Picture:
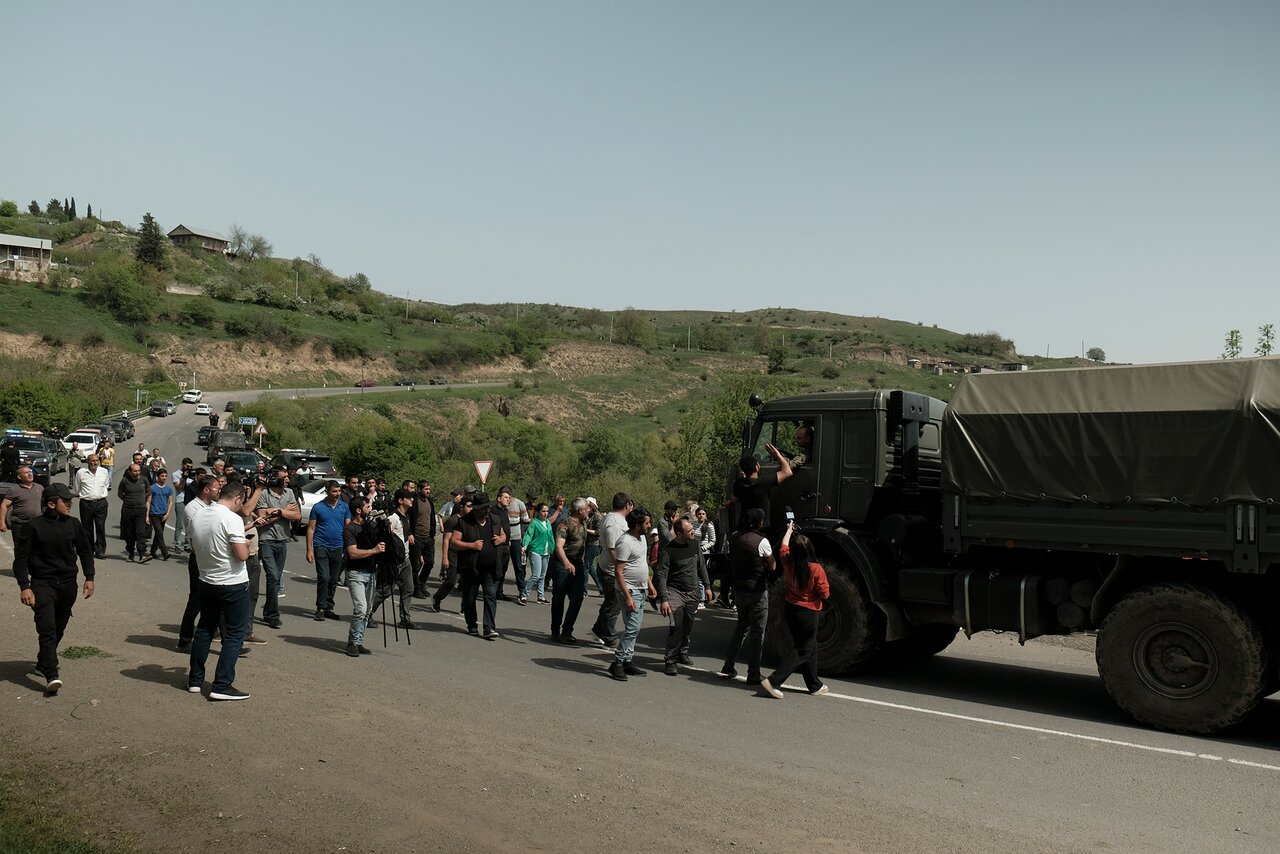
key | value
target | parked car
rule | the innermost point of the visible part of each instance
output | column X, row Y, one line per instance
column 312, row 494
column 124, row 428
column 109, row 431
column 88, row 440
column 192, row 395
column 161, row 408
column 365, row 384
column 204, row 409
column 231, row 406
column 203, row 434
column 37, row 452
column 321, row 464
column 406, row 381
column 241, row 461
column 439, row 381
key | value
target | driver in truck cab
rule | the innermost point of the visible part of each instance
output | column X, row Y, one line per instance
column 752, row 490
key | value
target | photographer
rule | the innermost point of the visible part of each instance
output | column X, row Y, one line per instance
column 394, row 569
column 362, row 546
column 279, row 512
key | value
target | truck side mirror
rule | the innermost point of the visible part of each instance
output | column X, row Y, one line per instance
column 755, row 401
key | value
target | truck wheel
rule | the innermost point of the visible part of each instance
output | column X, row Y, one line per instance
column 849, row 632
column 923, row 642
column 1182, row 658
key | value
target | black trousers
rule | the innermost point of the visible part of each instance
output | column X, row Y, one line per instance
column 606, row 625
column 133, row 530
column 188, row 628
column 423, row 556
column 684, row 609
column 93, row 518
column 448, row 578
column 574, row 587
column 803, row 658
column 157, row 538
column 753, row 616
column 53, row 610
column 472, row 582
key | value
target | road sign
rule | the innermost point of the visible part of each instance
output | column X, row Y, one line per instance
column 247, row 420
column 482, row 469
column 261, row 431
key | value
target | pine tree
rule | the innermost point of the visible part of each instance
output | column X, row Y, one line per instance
column 151, row 243
column 90, row 213
column 66, row 206
column 71, row 211
column 34, row 207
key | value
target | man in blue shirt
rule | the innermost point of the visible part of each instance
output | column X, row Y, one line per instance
column 324, row 546
column 158, row 510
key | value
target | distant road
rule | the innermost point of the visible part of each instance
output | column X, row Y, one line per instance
column 293, row 392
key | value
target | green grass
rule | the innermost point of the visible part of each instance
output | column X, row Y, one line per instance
column 28, row 824
column 84, row 652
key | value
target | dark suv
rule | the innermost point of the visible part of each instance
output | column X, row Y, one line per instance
column 321, row 464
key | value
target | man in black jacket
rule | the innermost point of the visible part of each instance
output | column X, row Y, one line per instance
column 750, row 562
column 45, row 565
column 133, row 492
column 680, row 569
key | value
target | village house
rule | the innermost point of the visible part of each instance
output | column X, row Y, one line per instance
column 201, row 237
column 26, row 259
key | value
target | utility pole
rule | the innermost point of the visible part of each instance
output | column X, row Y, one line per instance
column 295, row 285
column 688, row 340
column 406, row 305
column 611, row 329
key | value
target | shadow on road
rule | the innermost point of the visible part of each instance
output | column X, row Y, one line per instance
column 322, row 644
column 15, row 672
column 165, row 642
column 174, row 677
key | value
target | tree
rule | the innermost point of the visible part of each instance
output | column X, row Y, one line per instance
column 1096, row 354
column 54, row 208
column 1232, row 348
column 8, row 208
column 113, row 284
column 34, row 208
column 151, row 248
column 238, row 241
column 258, row 247
column 89, row 215
column 631, row 327
column 1266, row 339
column 778, row 359
column 71, row 211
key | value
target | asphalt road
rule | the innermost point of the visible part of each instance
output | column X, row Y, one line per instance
column 987, row 747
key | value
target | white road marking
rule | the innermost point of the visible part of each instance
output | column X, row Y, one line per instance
column 1189, row 754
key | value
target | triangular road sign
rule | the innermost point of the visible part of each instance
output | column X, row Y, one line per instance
column 262, row 429
column 482, row 469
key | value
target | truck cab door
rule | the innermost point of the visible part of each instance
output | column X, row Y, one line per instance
column 858, row 449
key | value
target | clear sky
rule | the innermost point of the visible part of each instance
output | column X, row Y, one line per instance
column 1095, row 171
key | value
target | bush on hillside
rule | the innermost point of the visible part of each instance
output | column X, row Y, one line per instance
column 34, row 404
column 113, row 285
column 985, row 344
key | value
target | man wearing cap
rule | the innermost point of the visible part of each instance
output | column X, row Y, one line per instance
column 45, row 565
column 92, row 484
column 477, row 540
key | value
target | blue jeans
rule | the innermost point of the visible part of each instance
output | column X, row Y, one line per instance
column 593, row 552
column 219, row 603
column 537, row 575
column 273, row 553
column 631, row 622
column 360, row 586
column 328, row 565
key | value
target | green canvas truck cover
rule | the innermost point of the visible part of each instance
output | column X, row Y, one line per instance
column 1194, row 433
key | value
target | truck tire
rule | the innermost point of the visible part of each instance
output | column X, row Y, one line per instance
column 850, row 631
column 1182, row 658
column 923, row 642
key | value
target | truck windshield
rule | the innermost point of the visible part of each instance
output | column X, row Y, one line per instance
column 792, row 436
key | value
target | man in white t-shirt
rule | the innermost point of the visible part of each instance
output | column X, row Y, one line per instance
column 220, row 549
column 631, row 572
column 612, row 528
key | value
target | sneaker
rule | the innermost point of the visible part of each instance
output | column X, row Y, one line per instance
column 769, row 690
column 616, row 671
column 435, row 605
column 194, row 689
column 491, row 636
column 332, row 615
column 146, row 558
column 671, row 669
column 254, row 639
column 184, row 646
column 702, row 606
column 542, row 600
column 244, row 650
column 729, row 672
column 51, row 689
column 319, row 617
column 822, row 689
column 280, row 595
column 631, row 670
column 228, row 694
column 353, row 650
column 274, row 624
column 364, row 650
column 522, row 601
column 407, row 624
column 567, row 639
column 128, row 556
column 473, row 631
column 604, row 642
column 684, row 658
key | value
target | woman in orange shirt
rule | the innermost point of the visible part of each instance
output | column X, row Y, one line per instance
column 807, row 589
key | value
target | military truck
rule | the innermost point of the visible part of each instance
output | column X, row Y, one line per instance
column 1138, row 502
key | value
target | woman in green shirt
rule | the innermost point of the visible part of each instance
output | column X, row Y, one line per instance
column 537, row 544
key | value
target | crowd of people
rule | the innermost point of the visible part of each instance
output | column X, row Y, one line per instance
column 235, row 527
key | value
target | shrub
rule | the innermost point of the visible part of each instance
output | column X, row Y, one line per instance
column 94, row 339
column 113, row 284
column 830, row 372
column 347, row 347
column 196, row 313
